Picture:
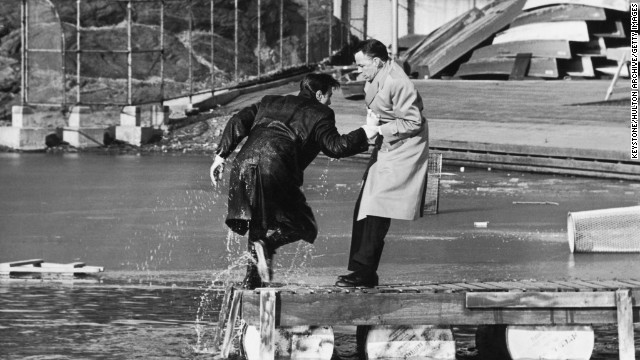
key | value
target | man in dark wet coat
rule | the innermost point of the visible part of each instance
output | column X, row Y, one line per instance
column 284, row 134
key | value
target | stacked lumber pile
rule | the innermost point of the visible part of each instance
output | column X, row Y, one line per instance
column 517, row 39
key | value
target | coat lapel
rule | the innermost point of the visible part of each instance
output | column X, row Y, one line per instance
column 371, row 89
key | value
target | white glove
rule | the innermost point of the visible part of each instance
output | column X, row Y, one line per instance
column 371, row 130
column 217, row 168
column 373, row 119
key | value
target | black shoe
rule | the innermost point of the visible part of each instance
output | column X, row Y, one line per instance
column 348, row 276
column 359, row 279
column 265, row 260
column 252, row 279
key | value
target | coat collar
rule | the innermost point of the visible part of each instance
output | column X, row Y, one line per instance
column 376, row 84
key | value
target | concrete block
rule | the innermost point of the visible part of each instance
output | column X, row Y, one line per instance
column 158, row 116
column 134, row 135
column 83, row 137
column 78, row 113
column 24, row 139
column 22, row 117
column 130, row 116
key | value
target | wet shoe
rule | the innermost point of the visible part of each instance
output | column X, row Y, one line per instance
column 358, row 279
column 265, row 259
column 252, row 279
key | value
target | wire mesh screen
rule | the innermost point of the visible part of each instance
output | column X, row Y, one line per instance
column 128, row 52
column 44, row 60
column 432, row 193
column 605, row 230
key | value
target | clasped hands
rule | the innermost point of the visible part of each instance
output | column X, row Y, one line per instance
column 372, row 126
column 216, row 170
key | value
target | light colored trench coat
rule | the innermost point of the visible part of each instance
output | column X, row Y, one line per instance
column 395, row 183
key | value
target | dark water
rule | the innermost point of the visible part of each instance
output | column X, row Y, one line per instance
column 156, row 224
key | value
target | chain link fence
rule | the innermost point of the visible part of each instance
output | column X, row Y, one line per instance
column 129, row 52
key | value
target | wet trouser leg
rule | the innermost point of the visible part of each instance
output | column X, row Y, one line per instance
column 367, row 240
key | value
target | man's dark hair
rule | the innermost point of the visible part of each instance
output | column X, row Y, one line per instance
column 319, row 81
column 373, row 48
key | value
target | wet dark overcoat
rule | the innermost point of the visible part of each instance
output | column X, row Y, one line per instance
column 284, row 134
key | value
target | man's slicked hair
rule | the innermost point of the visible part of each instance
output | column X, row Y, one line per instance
column 319, row 81
column 373, row 48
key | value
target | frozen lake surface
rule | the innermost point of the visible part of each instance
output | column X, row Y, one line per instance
column 157, row 226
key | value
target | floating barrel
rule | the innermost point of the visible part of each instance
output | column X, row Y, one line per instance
column 297, row 342
column 605, row 230
column 403, row 342
column 516, row 342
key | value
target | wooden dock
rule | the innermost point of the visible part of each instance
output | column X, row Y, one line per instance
column 575, row 302
column 38, row 269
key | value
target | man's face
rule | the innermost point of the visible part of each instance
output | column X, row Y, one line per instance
column 325, row 99
column 367, row 66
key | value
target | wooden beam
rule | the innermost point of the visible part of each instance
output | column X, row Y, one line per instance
column 34, row 262
column 267, row 324
column 414, row 309
column 485, row 300
column 231, row 320
column 626, row 348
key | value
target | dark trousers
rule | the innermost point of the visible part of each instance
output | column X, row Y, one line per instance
column 367, row 240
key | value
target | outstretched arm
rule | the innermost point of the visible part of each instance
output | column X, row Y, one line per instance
column 237, row 129
column 335, row 145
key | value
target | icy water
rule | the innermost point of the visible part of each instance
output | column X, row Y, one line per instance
column 156, row 224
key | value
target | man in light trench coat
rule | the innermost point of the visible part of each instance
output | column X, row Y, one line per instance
column 395, row 180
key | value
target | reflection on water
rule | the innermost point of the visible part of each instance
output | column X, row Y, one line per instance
column 157, row 226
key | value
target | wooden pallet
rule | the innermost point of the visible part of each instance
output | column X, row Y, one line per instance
column 39, row 269
column 552, row 303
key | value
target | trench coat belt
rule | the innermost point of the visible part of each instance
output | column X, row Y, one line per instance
column 386, row 147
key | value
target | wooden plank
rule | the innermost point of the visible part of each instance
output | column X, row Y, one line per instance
column 525, row 150
column 76, row 264
column 595, row 287
column 34, row 262
column 575, row 286
column 454, row 287
column 520, row 66
column 471, row 287
column 635, row 284
column 415, row 309
column 222, row 316
column 581, row 66
column 566, row 30
column 539, row 67
column 609, row 29
column 541, row 300
column 567, row 166
column 236, row 304
column 562, row 12
column 626, row 347
column 613, row 284
column 414, row 56
column 486, row 286
column 267, row 324
column 620, row 5
column 56, row 269
column 559, row 49
column 496, row 16
column 507, row 285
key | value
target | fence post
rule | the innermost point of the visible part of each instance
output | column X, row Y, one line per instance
column 235, row 54
column 259, row 48
column 23, row 53
column 307, row 37
column 212, row 45
column 129, row 55
column 78, row 51
column 281, row 31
